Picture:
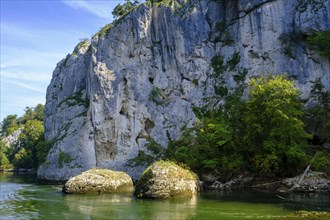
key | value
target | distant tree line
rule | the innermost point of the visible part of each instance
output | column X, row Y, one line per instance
column 30, row 150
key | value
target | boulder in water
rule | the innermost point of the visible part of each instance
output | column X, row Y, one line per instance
column 166, row 179
column 96, row 181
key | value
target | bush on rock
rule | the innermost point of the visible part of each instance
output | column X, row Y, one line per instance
column 99, row 181
column 166, row 179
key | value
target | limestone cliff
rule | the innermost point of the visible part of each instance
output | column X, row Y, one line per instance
column 141, row 76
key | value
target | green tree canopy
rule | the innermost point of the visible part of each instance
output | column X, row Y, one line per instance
column 122, row 9
column 30, row 149
column 12, row 123
column 275, row 135
column 263, row 135
column 9, row 124
column 33, row 113
column 32, row 132
column 3, row 157
column 23, row 159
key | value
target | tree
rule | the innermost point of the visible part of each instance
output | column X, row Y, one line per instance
column 118, row 11
column 23, row 159
column 9, row 124
column 31, row 148
column 33, row 131
column 275, row 136
column 42, row 148
column 33, row 113
column 209, row 145
column 122, row 9
column 4, row 162
column 317, row 116
column 39, row 112
column 32, row 134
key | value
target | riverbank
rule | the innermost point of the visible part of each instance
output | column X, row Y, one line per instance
column 308, row 182
column 312, row 182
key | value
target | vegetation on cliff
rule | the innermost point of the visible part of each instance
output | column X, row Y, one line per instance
column 264, row 134
column 314, row 40
column 122, row 9
column 320, row 41
column 269, row 134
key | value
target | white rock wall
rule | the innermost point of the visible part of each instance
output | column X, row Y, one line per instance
column 157, row 51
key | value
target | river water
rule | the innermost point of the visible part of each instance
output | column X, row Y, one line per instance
column 22, row 198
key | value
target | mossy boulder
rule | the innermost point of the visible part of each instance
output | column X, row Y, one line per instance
column 96, row 181
column 166, row 179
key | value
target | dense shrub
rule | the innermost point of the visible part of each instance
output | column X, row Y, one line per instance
column 317, row 116
column 23, row 159
column 263, row 135
column 4, row 162
column 321, row 162
column 275, row 133
column 122, row 9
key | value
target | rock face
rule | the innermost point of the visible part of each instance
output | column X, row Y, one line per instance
column 165, row 179
column 99, row 181
column 140, row 78
column 237, row 183
column 313, row 181
column 12, row 140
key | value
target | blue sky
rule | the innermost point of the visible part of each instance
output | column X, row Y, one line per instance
column 35, row 36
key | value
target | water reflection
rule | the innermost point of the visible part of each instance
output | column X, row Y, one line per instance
column 109, row 205
column 21, row 200
column 167, row 209
column 308, row 201
column 289, row 201
column 125, row 206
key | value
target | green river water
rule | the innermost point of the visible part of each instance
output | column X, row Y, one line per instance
column 22, row 198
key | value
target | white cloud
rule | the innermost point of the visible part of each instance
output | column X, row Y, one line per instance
column 16, row 57
column 41, row 38
column 26, row 76
column 28, row 86
column 99, row 8
column 26, row 69
column 18, row 103
column 22, row 47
